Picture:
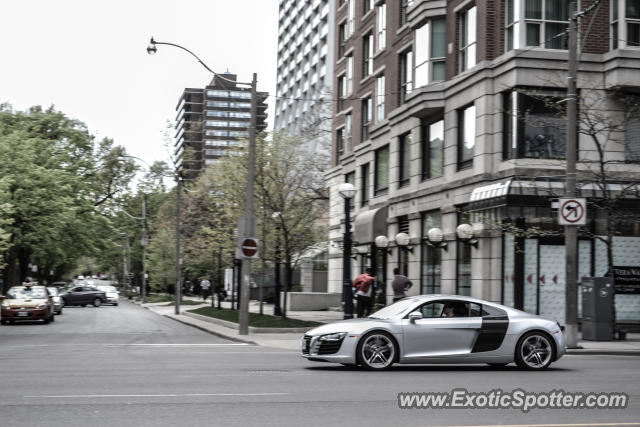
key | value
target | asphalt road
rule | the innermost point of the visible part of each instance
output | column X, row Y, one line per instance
column 126, row 366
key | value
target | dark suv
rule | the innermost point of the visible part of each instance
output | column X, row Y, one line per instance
column 83, row 295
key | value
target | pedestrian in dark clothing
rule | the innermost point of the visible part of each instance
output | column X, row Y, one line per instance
column 364, row 288
column 400, row 285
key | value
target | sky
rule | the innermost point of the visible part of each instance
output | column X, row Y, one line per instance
column 89, row 59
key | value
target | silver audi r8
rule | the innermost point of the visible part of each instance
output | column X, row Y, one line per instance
column 438, row 329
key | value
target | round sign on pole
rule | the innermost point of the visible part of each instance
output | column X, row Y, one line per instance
column 249, row 247
column 572, row 211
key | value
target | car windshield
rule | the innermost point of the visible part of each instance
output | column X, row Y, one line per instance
column 394, row 309
column 26, row 293
column 53, row 291
column 108, row 288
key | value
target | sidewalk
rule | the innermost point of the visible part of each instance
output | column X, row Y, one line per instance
column 291, row 340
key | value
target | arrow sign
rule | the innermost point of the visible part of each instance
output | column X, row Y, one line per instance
column 572, row 211
column 249, row 247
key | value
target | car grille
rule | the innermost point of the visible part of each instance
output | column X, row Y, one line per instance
column 329, row 347
column 307, row 339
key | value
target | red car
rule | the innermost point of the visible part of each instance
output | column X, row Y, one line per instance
column 27, row 303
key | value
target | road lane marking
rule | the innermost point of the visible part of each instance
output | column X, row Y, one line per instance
column 602, row 424
column 181, row 345
column 74, row 396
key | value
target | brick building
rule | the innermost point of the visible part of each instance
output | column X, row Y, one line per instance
column 442, row 119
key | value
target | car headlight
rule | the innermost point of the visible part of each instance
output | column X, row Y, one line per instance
column 338, row 336
column 42, row 305
column 5, row 304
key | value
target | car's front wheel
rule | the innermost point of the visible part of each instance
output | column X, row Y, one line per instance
column 97, row 302
column 4, row 322
column 377, row 350
column 534, row 351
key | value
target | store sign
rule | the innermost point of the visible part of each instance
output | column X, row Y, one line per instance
column 626, row 280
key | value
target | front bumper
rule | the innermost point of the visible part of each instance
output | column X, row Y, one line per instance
column 336, row 352
column 113, row 300
column 25, row 313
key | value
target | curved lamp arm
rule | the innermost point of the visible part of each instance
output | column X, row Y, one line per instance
column 151, row 49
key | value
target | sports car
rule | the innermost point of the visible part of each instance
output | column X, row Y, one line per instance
column 447, row 329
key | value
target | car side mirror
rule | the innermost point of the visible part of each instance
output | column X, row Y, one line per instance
column 416, row 315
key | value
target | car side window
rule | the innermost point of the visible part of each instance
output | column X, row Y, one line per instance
column 432, row 309
column 475, row 310
column 78, row 289
column 88, row 289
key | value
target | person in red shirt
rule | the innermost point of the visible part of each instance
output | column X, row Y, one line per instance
column 364, row 288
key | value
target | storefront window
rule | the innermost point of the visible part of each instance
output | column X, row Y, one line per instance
column 431, row 258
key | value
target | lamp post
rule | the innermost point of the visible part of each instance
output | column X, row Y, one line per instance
column 249, row 223
column 347, row 192
column 277, row 311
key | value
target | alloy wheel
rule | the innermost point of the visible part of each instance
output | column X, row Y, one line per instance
column 535, row 352
column 377, row 351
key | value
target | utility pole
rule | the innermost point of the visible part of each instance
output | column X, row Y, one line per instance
column 128, row 262
column 178, row 260
column 249, row 228
column 571, row 231
column 144, row 243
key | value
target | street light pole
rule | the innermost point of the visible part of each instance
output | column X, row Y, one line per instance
column 144, row 243
column 178, row 260
column 347, row 191
column 277, row 311
column 249, row 228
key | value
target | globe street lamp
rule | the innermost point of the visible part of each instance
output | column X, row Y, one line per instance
column 347, row 191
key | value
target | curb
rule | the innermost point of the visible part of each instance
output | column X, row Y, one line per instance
column 604, row 352
column 216, row 333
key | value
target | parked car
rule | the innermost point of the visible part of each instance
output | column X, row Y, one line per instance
column 113, row 295
column 439, row 329
column 57, row 301
column 28, row 302
column 83, row 295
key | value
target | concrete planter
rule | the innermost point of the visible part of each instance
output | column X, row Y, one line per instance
column 252, row 329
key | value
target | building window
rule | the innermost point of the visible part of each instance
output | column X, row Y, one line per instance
column 406, row 75
column 625, row 23
column 342, row 37
column 404, row 159
column 381, row 176
column 430, row 266
column 430, row 46
column 381, row 24
column 367, row 113
column 632, row 140
column 380, row 98
column 511, row 25
column 348, row 128
column 351, row 179
column 367, row 6
column 534, row 125
column 349, row 82
column 466, row 136
column 463, row 258
column 340, row 140
column 404, row 7
column 547, row 23
column 364, row 189
column 468, row 38
column 432, row 149
column 367, row 55
column 351, row 18
column 342, row 91
column 403, row 253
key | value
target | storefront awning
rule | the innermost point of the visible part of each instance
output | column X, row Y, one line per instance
column 503, row 192
column 370, row 224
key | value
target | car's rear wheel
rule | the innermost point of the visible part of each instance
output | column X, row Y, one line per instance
column 377, row 350
column 535, row 351
column 97, row 302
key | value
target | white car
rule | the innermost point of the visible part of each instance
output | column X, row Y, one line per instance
column 113, row 295
column 439, row 329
